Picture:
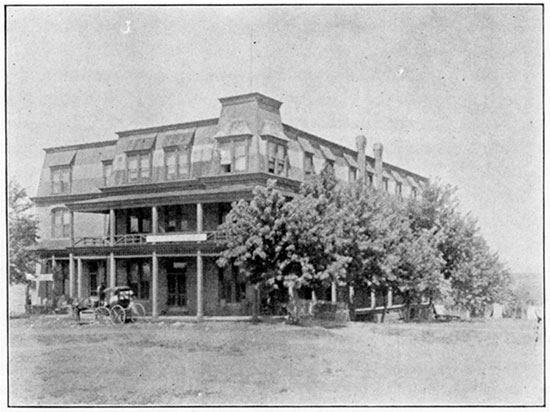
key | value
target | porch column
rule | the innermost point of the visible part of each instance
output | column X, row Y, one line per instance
column 79, row 278
column 199, row 218
column 71, row 275
column 333, row 292
column 155, row 220
column 372, row 299
column 71, row 214
column 155, row 291
column 112, row 270
column 390, row 297
column 112, row 224
column 199, row 285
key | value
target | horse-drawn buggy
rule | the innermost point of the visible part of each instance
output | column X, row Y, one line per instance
column 116, row 304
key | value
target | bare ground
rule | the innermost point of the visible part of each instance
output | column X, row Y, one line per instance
column 54, row 361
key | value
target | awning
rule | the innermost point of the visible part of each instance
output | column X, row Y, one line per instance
column 237, row 127
column 107, row 153
column 306, row 145
column 386, row 174
column 270, row 128
column 179, row 138
column 369, row 168
column 138, row 143
column 328, row 153
column 61, row 158
column 412, row 182
column 351, row 160
column 396, row 176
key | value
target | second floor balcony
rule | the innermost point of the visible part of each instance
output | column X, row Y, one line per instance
column 159, row 224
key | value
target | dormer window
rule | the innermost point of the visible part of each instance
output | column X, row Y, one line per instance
column 107, row 170
column 399, row 189
column 309, row 169
column 176, row 163
column 233, row 155
column 138, row 166
column 61, row 180
column 352, row 174
column 276, row 158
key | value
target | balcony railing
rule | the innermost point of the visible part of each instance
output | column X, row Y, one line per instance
column 91, row 241
column 138, row 239
column 132, row 239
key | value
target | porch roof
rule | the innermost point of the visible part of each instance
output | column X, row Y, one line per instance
column 132, row 200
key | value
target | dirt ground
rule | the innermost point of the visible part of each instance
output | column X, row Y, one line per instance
column 54, row 361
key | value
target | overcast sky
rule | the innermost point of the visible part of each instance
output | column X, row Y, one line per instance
column 451, row 92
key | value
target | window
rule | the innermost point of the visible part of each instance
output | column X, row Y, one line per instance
column 139, row 166
column 107, row 169
column 386, row 184
column 276, row 158
column 61, row 180
column 371, row 179
column 413, row 192
column 309, row 169
column 233, row 156
column 176, row 164
column 240, row 156
column 61, row 223
column 399, row 189
column 352, row 174
column 138, row 221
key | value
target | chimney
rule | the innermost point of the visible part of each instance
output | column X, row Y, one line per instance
column 361, row 143
column 378, row 165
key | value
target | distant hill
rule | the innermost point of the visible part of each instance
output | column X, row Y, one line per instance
column 530, row 285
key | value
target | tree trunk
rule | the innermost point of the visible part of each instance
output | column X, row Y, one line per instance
column 255, row 304
column 385, row 307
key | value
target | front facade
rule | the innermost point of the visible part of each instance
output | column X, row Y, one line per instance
column 143, row 210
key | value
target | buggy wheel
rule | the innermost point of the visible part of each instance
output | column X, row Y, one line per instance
column 118, row 314
column 137, row 311
column 102, row 314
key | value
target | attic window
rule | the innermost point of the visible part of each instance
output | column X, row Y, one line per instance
column 233, row 155
column 138, row 166
column 276, row 158
column 61, row 180
column 309, row 169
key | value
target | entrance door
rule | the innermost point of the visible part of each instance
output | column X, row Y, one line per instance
column 177, row 288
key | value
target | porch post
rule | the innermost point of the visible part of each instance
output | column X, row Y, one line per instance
column 333, row 292
column 390, row 297
column 71, row 275
column 79, row 278
column 112, row 224
column 199, row 286
column 199, row 218
column 112, row 270
column 372, row 299
column 71, row 214
column 54, row 264
column 155, row 219
column 155, row 300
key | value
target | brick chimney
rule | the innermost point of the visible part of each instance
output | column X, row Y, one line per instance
column 361, row 143
column 378, row 165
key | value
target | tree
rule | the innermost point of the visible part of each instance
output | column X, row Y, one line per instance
column 475, row 274
column 22, row 233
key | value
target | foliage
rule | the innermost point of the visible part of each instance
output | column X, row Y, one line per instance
column 22, row 233
column 361, row 237
column 475, row 275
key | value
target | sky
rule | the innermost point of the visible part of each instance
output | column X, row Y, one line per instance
column 452, row 92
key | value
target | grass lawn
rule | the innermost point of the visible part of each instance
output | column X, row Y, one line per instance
column 54, row 361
